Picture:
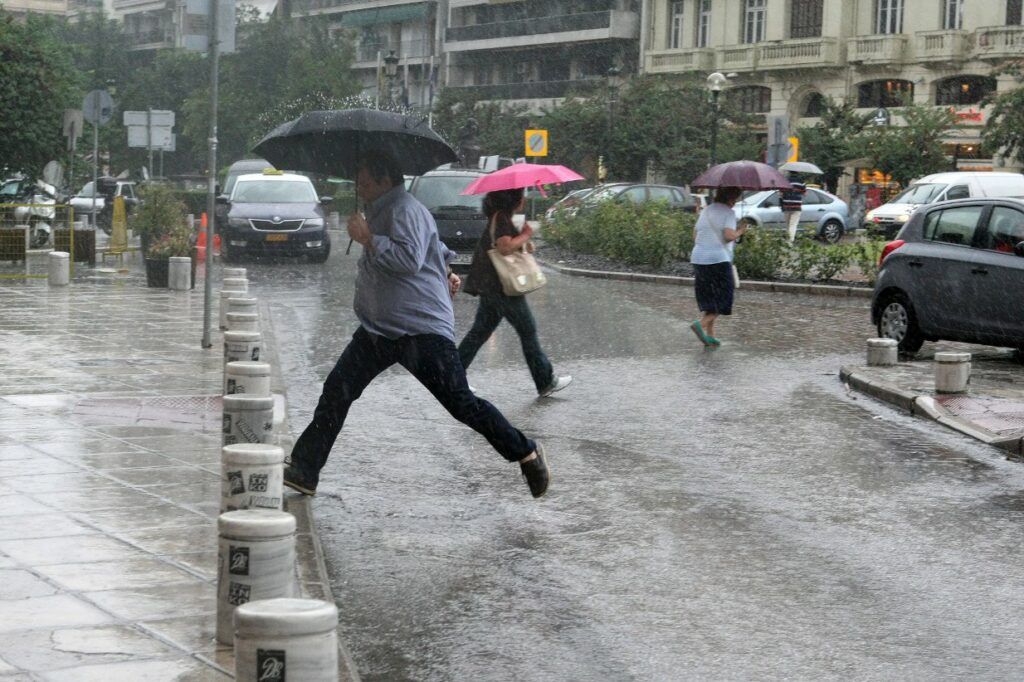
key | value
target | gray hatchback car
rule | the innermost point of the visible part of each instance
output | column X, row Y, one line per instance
column 954, row 272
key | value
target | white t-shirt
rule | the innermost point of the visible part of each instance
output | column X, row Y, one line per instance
column 709, row 244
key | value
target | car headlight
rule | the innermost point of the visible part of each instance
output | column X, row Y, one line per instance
column 903, row 218
column 870, row 215
column 314, row 222
column 238, row 222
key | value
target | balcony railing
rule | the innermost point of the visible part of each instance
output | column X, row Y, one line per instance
column 738, row 57
column 154, row 37
column 565, row 23
column 535, row 90
column 877, row 49
column 798, row 54
column 676, row 61
column 999, row 42
column 941, row 46
column 407, row 49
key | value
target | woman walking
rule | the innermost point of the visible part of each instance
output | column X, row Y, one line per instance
column 494, row 304
column 714, row 285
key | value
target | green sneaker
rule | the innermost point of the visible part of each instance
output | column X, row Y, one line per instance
column 699, row 331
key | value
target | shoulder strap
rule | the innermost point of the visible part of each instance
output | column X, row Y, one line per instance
column 491, row 226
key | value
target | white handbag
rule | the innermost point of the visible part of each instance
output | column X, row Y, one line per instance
column 518, row 271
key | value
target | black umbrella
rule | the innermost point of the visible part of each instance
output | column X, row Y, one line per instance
column 331, row 142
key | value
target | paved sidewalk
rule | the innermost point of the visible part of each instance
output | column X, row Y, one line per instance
column 110, row 483
column 992, row 409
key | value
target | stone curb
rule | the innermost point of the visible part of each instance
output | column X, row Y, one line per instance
column 926, row 406
column 309, row 554
column 837, row 291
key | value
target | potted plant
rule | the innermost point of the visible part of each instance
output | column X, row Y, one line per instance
column 177, row 242
column 163, row 231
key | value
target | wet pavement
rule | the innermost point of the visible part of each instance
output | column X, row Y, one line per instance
column 110, row 435
column 730, row 514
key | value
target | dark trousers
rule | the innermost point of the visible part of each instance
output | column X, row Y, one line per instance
column 433, row 360
column 492, row 310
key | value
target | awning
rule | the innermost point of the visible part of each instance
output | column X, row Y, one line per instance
column 385, row 15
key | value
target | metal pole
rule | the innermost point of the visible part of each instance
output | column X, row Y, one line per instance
column 211, row 186
column 149, row 138
column 714, row 126
column 71, row 161
column 95, row 163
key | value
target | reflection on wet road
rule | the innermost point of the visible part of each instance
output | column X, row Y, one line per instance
column 734, row 514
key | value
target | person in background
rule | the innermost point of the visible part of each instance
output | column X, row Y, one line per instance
column 792, row 203
column 403, row 300
column 714, row 285
column 494, row 304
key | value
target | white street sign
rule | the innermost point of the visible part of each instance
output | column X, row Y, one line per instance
column 73, row 123
column 195, row 26
column 157, row 117
column 137, row 137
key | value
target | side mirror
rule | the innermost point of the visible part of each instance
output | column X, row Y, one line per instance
column 222, row 199
column 326, row 200
column 1018, row 249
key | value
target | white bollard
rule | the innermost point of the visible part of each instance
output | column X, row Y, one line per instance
column 242, row 346
column 179, row 273
column 952, row 372
column 234, row 284
column 242, row 303
column 299, row 636
column 252, row 476
column 234, row 273
column 225, row 295
column 882, row 352
column 247, row 419
column 245, row 376
column 334, row 220
column 59, row 269
column 255, row 559
column 243, row 322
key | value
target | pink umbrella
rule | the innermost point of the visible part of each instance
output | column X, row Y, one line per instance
column 522, row 175
column 742, row 174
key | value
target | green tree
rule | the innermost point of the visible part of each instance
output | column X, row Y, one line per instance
column 38, row 83
column 500, row 126
column 909, row 151
column 830, row 141
column 1004, row 130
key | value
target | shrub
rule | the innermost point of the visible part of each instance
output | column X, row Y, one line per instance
column 762, row 254
column 803, row 257
column 161, row 212
column 177, row 242
column 865, row 255
column 646, row 234
column 832, row 260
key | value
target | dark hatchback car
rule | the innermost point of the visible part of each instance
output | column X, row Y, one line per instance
column 678, row 198
column 275, row 214
column 460, row 218
column 954, row 272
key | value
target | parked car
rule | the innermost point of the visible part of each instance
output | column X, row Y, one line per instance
column 82, row 202
column 888, row 218
column 639, row 193
column 460, row 218
column 235, row 170
column 570, row 200
column 274, row 213
column 954, row 272
column 34, row 206
column 824, row 213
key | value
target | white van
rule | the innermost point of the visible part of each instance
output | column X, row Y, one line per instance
column 888, row 218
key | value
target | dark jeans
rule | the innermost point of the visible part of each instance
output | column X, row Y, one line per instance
column 433, row 360
column 495, row 307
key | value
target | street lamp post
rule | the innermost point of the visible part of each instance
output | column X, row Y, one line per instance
column 390, row 73
column 613, row 81
column 715, row 82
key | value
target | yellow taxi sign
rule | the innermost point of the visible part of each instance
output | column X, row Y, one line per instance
column 536, row 142
column 272, row 171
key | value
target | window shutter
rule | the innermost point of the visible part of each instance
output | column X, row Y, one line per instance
column 1013, row 12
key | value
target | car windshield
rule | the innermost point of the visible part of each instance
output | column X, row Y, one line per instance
column 274, row 192
column 603, row 194
column 10, row 189
column 86, row 190
column 445, row 191
column 918, row 194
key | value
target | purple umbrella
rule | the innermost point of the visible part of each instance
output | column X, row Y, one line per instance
column 742, row 174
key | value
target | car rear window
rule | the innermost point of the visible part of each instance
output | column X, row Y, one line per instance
column 953, row 225
column 918, row 194
column 445, row 191
column 274, row 192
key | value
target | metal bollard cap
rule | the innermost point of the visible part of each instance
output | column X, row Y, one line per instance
column 256, row 524
column 247, row 368
column 252, row 453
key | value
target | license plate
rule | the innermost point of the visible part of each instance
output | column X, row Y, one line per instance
column 277, row 237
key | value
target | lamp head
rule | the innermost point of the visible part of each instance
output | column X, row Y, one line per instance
column 716, row 81
column 391, row 64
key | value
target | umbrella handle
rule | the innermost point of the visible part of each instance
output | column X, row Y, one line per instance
column 349, row 247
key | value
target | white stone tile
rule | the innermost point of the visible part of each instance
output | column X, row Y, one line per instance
column 59, row 610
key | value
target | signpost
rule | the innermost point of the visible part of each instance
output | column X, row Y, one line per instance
column 73, row 124
column 536, row 143
column 150, row 129
column 881, row 117
column 97, row 109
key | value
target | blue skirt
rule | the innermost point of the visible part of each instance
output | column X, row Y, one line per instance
column 714, row 287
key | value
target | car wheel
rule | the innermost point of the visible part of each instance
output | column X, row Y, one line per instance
column 897, row 322
column 831, row 232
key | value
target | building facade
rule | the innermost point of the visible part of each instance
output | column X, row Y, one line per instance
column 783, row 56
column 535, row 52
